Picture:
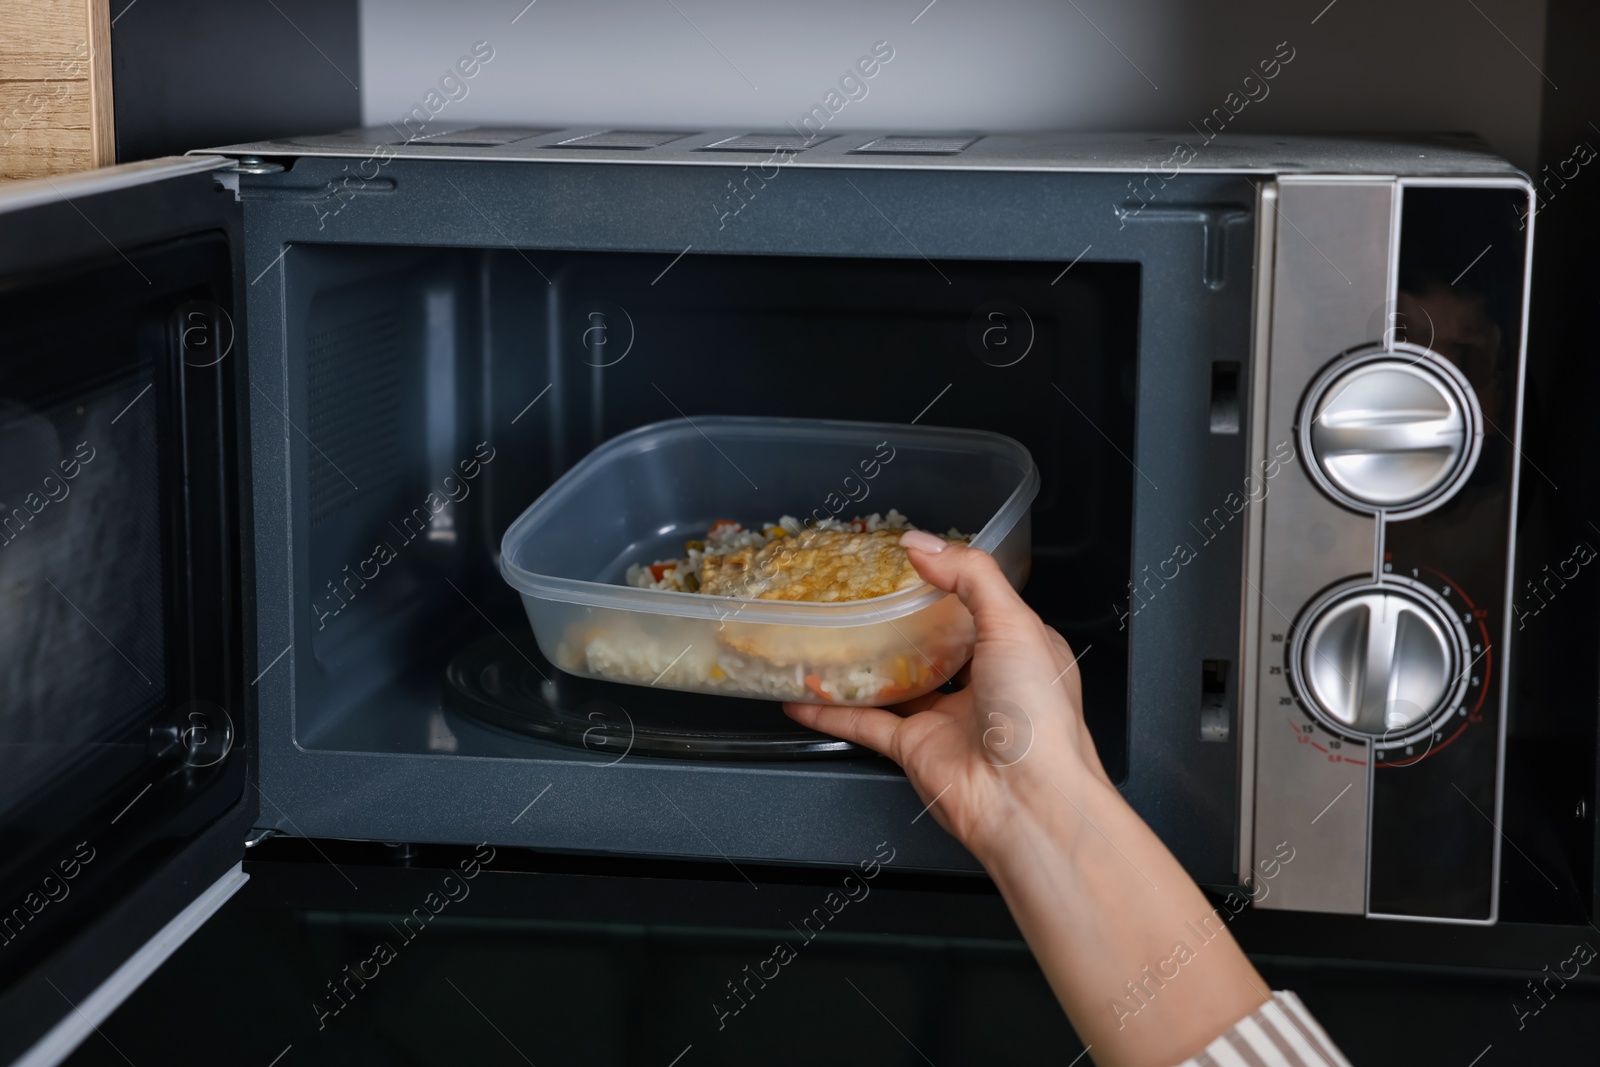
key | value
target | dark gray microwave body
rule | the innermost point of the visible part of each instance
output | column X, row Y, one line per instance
column 338, row 763
column 353, row 746
column 1256, row 554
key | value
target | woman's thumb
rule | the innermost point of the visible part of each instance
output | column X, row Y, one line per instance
column 970, row 573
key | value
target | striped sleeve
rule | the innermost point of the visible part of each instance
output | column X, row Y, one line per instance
column 1281, row 1033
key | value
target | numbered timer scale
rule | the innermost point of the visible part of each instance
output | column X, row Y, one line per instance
column 1410, row 712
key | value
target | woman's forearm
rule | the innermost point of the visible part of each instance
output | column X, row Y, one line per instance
column 1142, row 962
column 1144, row 966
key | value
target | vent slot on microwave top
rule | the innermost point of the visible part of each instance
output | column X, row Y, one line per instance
column 631, row 139
column 476, row 137
column 353, row 392
column 765, row 142
column 917, row 146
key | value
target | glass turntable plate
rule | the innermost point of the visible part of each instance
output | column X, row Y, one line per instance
column 509, row 684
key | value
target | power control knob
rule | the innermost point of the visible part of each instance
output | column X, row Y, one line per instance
column 1379, row 661
column 1391, row 429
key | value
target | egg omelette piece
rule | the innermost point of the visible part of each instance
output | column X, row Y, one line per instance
column 818, row 566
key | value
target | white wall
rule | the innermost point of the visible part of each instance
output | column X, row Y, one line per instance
column 1395, row 65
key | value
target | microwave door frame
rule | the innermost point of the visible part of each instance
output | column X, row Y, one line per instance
column 176, row 857
column 1251, row 607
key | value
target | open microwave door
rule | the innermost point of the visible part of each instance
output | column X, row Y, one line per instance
column 126, row 724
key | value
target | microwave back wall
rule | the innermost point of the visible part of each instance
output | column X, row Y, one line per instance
column 1272, row 395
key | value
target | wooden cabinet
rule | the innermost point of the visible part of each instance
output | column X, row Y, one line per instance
column 55, row 87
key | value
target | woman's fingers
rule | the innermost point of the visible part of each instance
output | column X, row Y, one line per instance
column 973, row 576
column 873, row 727
column 1071, row 680
column 1064, row 653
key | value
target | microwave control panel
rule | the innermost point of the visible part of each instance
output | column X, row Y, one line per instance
column 1389, row 359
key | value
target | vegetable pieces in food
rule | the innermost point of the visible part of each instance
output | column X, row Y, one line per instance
column 828, row 562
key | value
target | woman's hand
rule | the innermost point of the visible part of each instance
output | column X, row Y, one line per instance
column 1018, row 722
column 1008, row 768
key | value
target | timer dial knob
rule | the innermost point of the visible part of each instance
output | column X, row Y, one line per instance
column 1391, row 429
column 1379, row 661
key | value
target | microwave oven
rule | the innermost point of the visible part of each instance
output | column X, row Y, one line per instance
column 267, row 411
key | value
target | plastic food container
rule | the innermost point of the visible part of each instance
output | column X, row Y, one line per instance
column 639, row 496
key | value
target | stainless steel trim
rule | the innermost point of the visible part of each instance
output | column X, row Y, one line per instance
column 1390, row 310
column 16, row 196
column 1331, row 274
column 1372, row 790
column 1380, row 543
column 1255, row 456
column 1392, row 297
column 1391, row 302
column 87, row 1015
column 1322, row 158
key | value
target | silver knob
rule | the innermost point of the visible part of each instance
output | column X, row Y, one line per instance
column 1378, row 661
column 1391, row 429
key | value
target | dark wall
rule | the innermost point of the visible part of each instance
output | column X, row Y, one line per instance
column 1397, row 66
column 196, row 73
column 1558, row 670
